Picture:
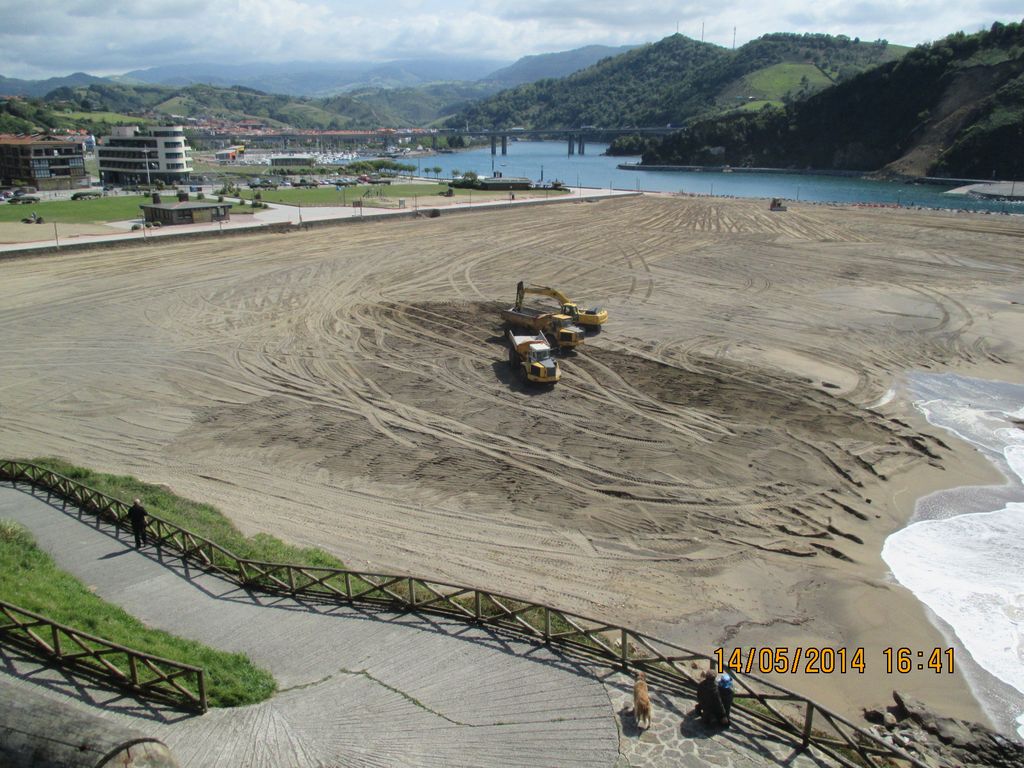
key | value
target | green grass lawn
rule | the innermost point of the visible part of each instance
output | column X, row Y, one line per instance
column 107, row 117
column 99, row 210
column 211, row 167
column 31, row 580
column 330, row 196
column 96, row 211
column 772, row 83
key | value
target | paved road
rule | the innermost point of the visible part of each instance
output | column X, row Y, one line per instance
column 361, row 686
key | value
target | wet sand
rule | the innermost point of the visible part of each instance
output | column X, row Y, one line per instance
column 719, row 466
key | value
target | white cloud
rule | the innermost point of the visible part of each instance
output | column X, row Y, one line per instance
column 54, row 37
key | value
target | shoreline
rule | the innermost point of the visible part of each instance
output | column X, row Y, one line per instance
column 870, row 175
column 969, row 528
column 872, row 603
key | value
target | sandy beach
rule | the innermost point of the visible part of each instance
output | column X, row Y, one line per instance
column 719, row 466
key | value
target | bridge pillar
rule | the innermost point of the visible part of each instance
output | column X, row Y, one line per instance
column 504, row 145
column 583, row 147
column 494, row 145
column 572, row 144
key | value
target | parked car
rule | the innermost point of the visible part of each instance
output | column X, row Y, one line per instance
column 23, row 199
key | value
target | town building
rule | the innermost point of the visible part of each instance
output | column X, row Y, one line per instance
column 184, row 211
column 130, row 155
column 508, row 183
column 42, row 161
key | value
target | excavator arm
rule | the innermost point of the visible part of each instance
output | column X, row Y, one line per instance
column 554, row 293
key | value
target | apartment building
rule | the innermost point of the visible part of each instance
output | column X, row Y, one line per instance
column 42, row 161
column 130, row 155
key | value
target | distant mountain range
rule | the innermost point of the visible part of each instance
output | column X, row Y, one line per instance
column 811, row 100
column 10, row 86
column 315, row 79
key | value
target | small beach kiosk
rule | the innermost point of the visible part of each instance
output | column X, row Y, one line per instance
column 184, row 211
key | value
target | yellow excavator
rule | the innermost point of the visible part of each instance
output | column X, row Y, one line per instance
column 561, row 329
column 589, row 318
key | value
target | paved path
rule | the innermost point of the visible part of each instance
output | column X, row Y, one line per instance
column 361, row 686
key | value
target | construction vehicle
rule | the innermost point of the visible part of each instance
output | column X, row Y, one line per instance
column 589, row 318
column 531, row 355
column 559, row 327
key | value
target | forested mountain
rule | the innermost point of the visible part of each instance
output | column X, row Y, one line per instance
column 235, row 103
column 954, row 107
column 553, row 65
column 677, row 78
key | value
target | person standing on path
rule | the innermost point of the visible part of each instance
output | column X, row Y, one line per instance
column 137, row 514
column 725, row 693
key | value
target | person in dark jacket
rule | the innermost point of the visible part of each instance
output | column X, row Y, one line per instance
column 709, row 703
column 725, row 694
column 137, row 514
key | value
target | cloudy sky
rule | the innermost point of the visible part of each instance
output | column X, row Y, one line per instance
column 43, row 38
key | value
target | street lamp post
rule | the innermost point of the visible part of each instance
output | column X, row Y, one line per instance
column 149, row 183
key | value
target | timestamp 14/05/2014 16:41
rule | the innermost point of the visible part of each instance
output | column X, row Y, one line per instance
column 825, row 660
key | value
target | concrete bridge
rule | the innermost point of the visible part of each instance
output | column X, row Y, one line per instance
column 576, row 138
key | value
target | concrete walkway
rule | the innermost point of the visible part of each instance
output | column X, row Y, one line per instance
column 359, row 686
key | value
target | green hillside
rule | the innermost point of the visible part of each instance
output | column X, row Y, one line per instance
column 677, row 79
column 954, row 107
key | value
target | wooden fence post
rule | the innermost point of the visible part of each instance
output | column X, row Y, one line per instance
column 202, row 690
column 808, row 721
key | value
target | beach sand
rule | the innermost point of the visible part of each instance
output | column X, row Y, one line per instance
column 19, row 232
column 718, row 467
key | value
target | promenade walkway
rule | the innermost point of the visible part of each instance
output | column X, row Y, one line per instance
column 278, row 214
column 359, row 686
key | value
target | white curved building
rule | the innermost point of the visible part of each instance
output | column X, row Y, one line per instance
column 130, row 155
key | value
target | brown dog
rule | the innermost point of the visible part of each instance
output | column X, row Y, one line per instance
column 641, row 702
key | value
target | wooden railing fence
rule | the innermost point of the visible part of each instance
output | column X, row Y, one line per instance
column 142, row 673
column 667, row 665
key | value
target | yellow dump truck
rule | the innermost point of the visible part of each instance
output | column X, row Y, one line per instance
column 560, row 328
column 590, row 318
column 530, row 354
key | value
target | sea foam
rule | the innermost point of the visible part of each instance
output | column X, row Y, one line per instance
column 969, row 568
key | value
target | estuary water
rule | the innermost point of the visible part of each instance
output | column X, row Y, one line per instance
column 963, row 552
column 549, row 161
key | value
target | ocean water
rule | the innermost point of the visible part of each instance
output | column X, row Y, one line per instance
column 549, row 161
column 963, row 552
